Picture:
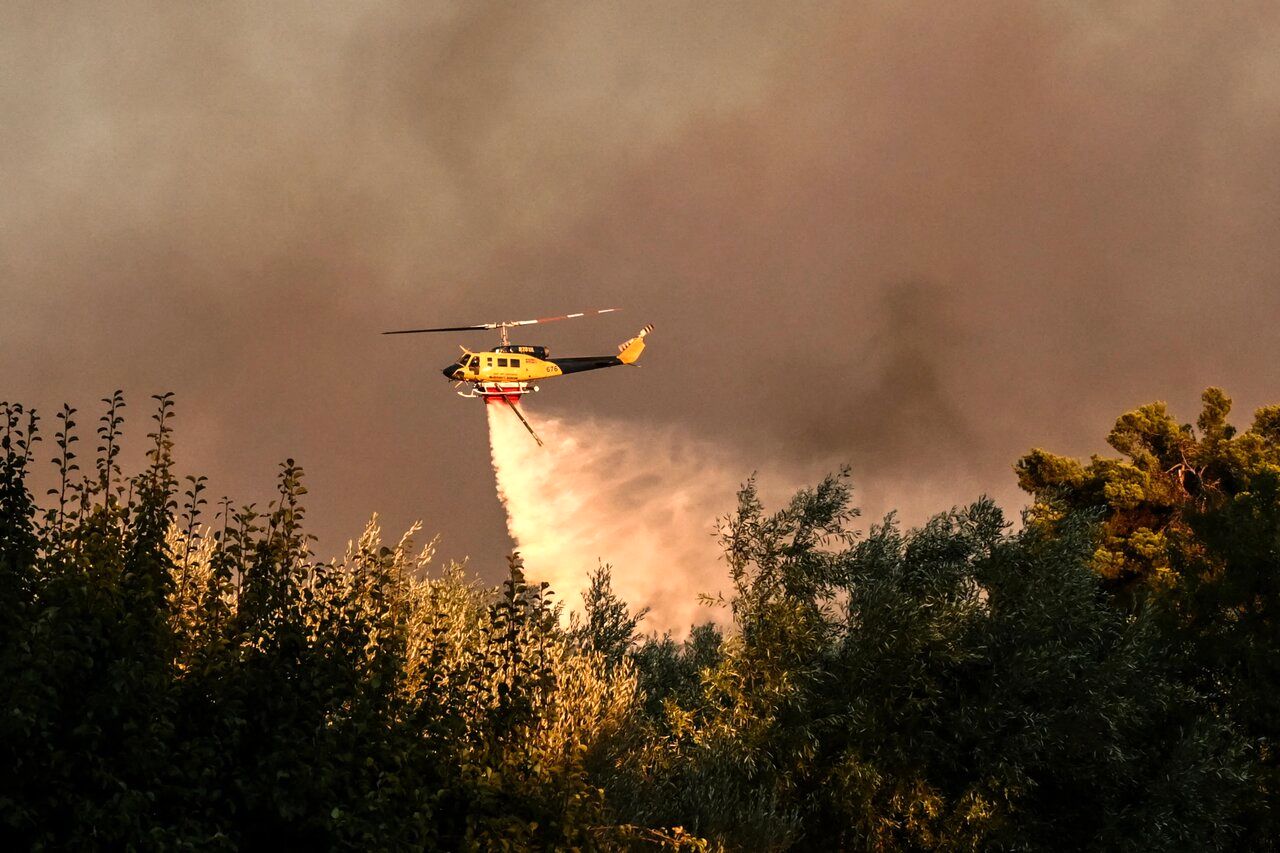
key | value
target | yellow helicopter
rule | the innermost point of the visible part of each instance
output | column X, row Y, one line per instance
column 508, row 371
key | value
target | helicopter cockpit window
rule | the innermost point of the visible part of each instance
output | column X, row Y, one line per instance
column 475, row 362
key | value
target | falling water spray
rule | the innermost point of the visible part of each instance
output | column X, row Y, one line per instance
column 645, row 502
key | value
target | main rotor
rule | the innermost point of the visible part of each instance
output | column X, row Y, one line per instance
column 504, row 325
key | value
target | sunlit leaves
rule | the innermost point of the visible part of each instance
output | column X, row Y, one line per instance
column 178, row 672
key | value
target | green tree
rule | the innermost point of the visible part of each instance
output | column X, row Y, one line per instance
column 951, row 687
column 175, row 680
column 87, row 711
column 672, row 672
column 607, row 624
column 1226, row 615
column 168, row 683
column 1169, row 473
column 1190, row 521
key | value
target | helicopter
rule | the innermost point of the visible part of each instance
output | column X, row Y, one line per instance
column 506, row 372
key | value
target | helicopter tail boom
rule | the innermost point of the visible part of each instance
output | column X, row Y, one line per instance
column 628, row 353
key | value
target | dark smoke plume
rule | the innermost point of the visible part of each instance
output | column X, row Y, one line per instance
column 917, row 237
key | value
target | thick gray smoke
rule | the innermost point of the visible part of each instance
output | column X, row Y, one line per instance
column 918, row 237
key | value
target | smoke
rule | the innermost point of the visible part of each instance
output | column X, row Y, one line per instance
column 645, row 502
column 231, row 200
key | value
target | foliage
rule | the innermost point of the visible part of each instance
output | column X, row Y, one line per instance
column 1191, row 523
column 176, row 672
column 671, row 672
column 170, row 683
column 607, row 625
column 952, row 687
column 1147, row 500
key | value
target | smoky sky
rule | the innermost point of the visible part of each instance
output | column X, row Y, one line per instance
column 916, row 237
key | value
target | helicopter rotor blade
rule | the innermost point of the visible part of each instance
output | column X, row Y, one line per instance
column 506, row 323
column 560, row 317
column 443, row 329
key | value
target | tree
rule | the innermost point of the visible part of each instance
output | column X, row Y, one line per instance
column 951, row 687
column 1146, row 500
column 168, row 682
column 171, row 684
column 607, row 624
column 1190, row 525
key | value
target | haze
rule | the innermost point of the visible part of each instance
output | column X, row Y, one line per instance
column 919, row 238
